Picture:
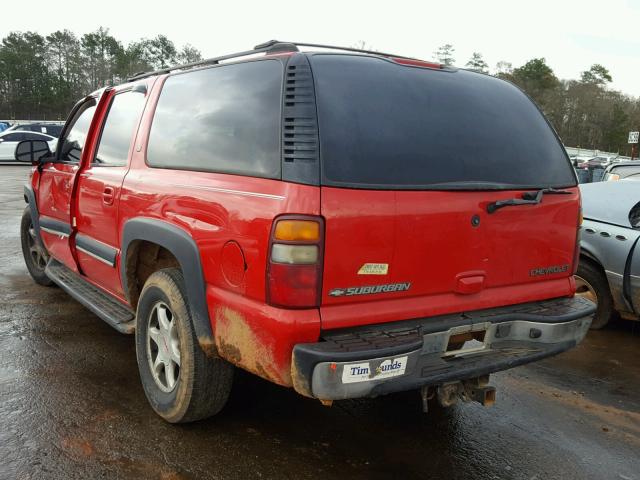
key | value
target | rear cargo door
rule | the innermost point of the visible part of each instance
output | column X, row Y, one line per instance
column 445, row 248
column 412, row 159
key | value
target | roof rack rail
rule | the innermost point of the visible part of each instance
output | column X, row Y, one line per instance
column 272, row 46
column 332, row 47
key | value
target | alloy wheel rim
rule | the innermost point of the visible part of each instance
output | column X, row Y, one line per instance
column 39, row 257
column 163, row 347
column 585, row 290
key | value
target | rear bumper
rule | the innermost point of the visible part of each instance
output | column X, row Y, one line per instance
column 380, row 359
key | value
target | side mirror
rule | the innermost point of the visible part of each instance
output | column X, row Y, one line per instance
column 32, row 151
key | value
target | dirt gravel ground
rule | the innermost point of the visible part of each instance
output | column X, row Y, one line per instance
column 71, row 407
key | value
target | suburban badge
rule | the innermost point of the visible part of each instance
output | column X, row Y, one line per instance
column 370, row 289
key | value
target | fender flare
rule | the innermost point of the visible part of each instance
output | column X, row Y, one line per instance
column 184, row 248
column 585, row 252
column 30, row 198
column 626, row 278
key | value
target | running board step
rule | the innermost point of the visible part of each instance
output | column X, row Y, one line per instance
column 102, row 304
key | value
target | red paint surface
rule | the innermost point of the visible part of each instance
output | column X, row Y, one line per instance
column 53, row 196
column 428, row 240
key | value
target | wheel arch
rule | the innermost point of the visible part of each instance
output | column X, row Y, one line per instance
column 585, row 253
column 184, row 248
column 30, row 199
column 616, row 289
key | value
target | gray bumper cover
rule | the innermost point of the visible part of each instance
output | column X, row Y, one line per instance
column 401, row 356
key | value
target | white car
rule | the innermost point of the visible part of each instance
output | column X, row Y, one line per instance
column 9, row 140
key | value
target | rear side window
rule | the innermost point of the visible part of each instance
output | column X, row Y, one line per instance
column 14, row 137
column 223, row 119
column 35, row 136
column 119, row 129
column 54, row 130
column 383, row 125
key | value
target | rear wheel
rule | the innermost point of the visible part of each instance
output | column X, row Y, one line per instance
column 592, row 284
column 180, row 381
column 35, row 255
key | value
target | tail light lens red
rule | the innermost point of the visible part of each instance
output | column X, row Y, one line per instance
column 294, row 269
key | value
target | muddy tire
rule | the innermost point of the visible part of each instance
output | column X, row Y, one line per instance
column 35, row 256
column 590, row 282
column 180, row 381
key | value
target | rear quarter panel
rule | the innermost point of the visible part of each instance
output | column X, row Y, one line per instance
column 215, row 209
column 610, row 245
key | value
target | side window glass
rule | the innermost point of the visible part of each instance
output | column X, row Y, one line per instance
column 74, row 140
column 224, row 119
column 35, row 136
column 119, row 129
column 54, row 130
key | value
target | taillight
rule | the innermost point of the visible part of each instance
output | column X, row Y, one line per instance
column 294, row 270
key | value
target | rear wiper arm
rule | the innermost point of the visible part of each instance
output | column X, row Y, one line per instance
column 528, row 198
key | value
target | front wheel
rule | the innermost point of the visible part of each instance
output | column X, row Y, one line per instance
column 180, row 381
column 35, row 255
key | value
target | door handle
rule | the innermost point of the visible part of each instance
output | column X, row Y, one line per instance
column 108, row 195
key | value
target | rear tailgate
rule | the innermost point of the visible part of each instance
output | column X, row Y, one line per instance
column 392, row 255
column 410, row 159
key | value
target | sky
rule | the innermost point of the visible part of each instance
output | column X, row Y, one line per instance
column 571, row 35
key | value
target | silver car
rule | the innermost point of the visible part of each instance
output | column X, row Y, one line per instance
column 609, row 270
column 9, row 139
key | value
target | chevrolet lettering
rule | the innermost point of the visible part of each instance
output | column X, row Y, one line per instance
column 549, row 270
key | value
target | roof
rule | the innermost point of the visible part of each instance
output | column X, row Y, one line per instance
column 630, row 163
column 610, row 202
column 277, row 47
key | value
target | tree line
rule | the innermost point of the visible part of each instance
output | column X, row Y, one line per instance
column 41, row 77
column 585, row 112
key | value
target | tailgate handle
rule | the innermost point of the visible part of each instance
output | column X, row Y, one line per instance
column 468, row 283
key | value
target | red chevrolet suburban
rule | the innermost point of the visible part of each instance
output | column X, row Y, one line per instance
column 343, row 222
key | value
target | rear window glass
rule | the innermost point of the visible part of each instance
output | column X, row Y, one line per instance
column 223, row 119
column 391, row 126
